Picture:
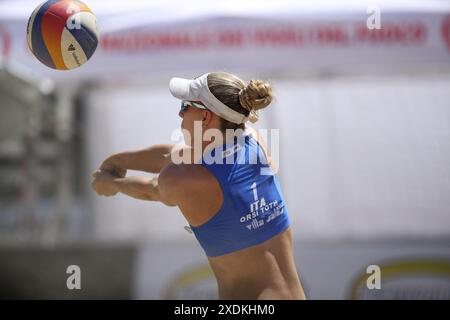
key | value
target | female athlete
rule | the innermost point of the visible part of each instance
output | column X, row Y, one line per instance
column 224, row 183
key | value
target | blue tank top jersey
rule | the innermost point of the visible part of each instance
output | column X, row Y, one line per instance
column 253, row 208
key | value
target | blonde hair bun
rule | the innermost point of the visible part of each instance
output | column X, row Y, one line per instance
column 256, row 95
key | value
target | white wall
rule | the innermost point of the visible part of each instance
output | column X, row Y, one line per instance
column 125, row 119
column 360, row 157
column 326, row 270
column 371, row 156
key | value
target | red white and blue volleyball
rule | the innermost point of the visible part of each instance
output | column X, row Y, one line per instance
column 62, row 34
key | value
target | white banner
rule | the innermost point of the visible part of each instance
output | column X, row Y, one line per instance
column 299, row 42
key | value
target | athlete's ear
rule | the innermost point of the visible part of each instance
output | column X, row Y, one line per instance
column 206, row 117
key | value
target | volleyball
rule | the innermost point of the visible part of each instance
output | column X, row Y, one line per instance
column 62, row 34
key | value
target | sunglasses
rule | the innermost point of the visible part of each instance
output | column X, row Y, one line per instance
column 185, row 104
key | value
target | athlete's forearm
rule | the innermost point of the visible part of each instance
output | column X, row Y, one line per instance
column 151, row 159
column 142, row 188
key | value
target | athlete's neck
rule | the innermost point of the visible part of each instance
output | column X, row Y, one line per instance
column 226, row 138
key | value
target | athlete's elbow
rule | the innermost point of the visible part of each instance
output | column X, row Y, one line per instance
column 148, row 197
column 154, row 192
column 169, row 204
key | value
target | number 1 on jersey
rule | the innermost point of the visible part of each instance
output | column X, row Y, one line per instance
column 255, row 192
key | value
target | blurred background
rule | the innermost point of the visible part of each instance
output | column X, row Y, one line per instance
column 364, row 119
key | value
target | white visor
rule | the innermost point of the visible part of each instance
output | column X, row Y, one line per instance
column 197, row 90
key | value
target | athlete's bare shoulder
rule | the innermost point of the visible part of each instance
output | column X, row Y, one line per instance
column 182, row 182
